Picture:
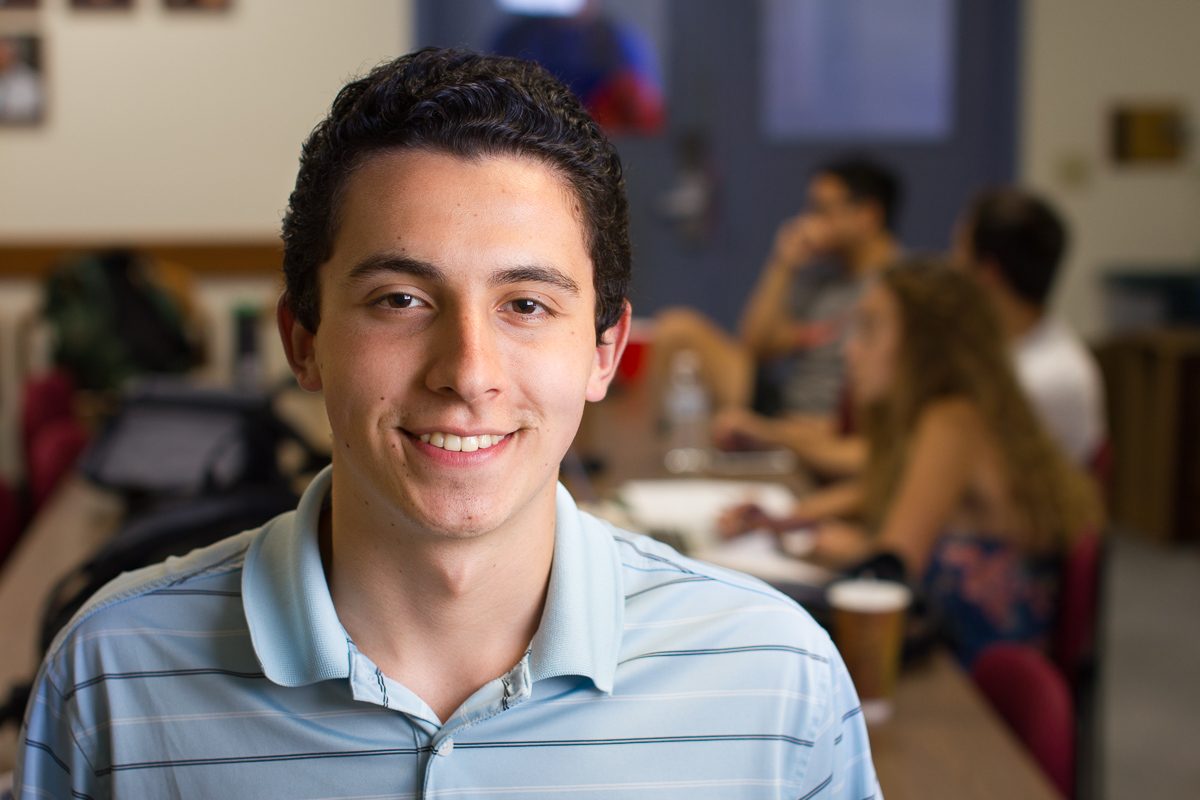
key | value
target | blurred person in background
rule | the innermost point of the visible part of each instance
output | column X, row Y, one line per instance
column 962, row 487
column 787, row 356
column 1013, row 242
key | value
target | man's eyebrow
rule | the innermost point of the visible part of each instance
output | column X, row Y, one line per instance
column 535, row 274
column 373, row 265
column 389, row 262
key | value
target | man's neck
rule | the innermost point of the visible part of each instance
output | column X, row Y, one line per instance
column 1016, row 317
column 442, row 616
column 873, row 254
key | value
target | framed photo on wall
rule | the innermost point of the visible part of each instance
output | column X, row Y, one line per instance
column 22, row 84
column 102, row 5
column 198, row 5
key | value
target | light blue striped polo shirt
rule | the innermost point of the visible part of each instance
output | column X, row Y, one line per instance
column 226, row 674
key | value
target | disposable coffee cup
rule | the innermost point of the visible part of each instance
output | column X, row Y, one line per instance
column 868, row 627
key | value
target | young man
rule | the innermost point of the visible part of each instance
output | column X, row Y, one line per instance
column 1013, row 242
column 792, row 327
column 437, row 618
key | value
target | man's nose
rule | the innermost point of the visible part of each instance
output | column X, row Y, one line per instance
column 466, row 360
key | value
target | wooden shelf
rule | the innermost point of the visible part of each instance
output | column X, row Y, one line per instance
column 215, row 256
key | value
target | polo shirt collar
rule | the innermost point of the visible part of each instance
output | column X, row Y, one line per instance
column 299, row 640
column 293, row 625
column 580, row 631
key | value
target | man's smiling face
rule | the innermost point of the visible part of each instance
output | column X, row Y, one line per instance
column 457, row 343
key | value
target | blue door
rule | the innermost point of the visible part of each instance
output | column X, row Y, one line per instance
column 713, row 55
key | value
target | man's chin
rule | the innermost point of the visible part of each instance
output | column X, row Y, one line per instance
column 461, row 528
column 463, row 518
column 468, row 509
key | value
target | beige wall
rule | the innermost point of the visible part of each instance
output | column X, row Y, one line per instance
column 165, row 125
column 169, row 123
column 1080, row 57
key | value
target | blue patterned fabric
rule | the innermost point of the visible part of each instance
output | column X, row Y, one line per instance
column 985, row 590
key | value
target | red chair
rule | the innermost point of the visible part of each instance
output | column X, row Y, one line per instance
column 10, row 520
column 1029, row 692
column 1101, row 466
column 1074, row 643
column 1076, row 646
column 44, row 399
column 54, row 450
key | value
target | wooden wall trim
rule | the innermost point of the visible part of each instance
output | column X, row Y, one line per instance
column 220, row 257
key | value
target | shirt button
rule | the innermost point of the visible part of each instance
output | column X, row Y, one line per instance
column 446, row 748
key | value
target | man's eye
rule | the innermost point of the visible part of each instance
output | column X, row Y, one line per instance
column 398, row 300
column 525, row 306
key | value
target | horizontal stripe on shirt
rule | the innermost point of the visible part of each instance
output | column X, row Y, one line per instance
column 226, row 673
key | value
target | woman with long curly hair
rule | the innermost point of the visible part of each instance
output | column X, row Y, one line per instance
column 962, row 484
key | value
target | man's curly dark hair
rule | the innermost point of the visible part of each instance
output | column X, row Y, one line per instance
column 468, row 105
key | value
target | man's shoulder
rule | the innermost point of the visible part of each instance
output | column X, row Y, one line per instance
column 192, row 597
column 709, row 644
column 1053, row 344
column 643, row 556
column 1055, row 363
column 665, row 589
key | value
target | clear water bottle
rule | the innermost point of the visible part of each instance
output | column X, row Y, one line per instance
column 247, row 359
column 686, row 409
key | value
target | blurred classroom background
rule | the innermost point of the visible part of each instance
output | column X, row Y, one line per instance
column 173, row 134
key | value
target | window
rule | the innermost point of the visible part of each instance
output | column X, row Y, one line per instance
column 858, row 69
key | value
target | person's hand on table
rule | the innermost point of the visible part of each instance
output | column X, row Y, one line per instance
column 749, row 517
column 840, row 544
column 743, row 519
column 739, row 429
column 811, row 425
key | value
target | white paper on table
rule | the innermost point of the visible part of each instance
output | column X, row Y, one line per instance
column 689, row 507
column 757, row 553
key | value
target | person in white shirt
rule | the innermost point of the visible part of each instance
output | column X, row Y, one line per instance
column 1013, row 242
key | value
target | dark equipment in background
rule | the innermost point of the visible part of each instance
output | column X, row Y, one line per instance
column 195, row 466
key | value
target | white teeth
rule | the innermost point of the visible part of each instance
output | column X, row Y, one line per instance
column 464, row 444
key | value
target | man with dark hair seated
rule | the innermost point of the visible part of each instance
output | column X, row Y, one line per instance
column 1013, row 242
column 782, row 381
column 437, row 617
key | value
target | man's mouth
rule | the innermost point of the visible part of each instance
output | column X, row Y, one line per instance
column 464, row 444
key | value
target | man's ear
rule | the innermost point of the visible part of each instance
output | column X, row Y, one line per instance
column 299, row 343
column 608, row 355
